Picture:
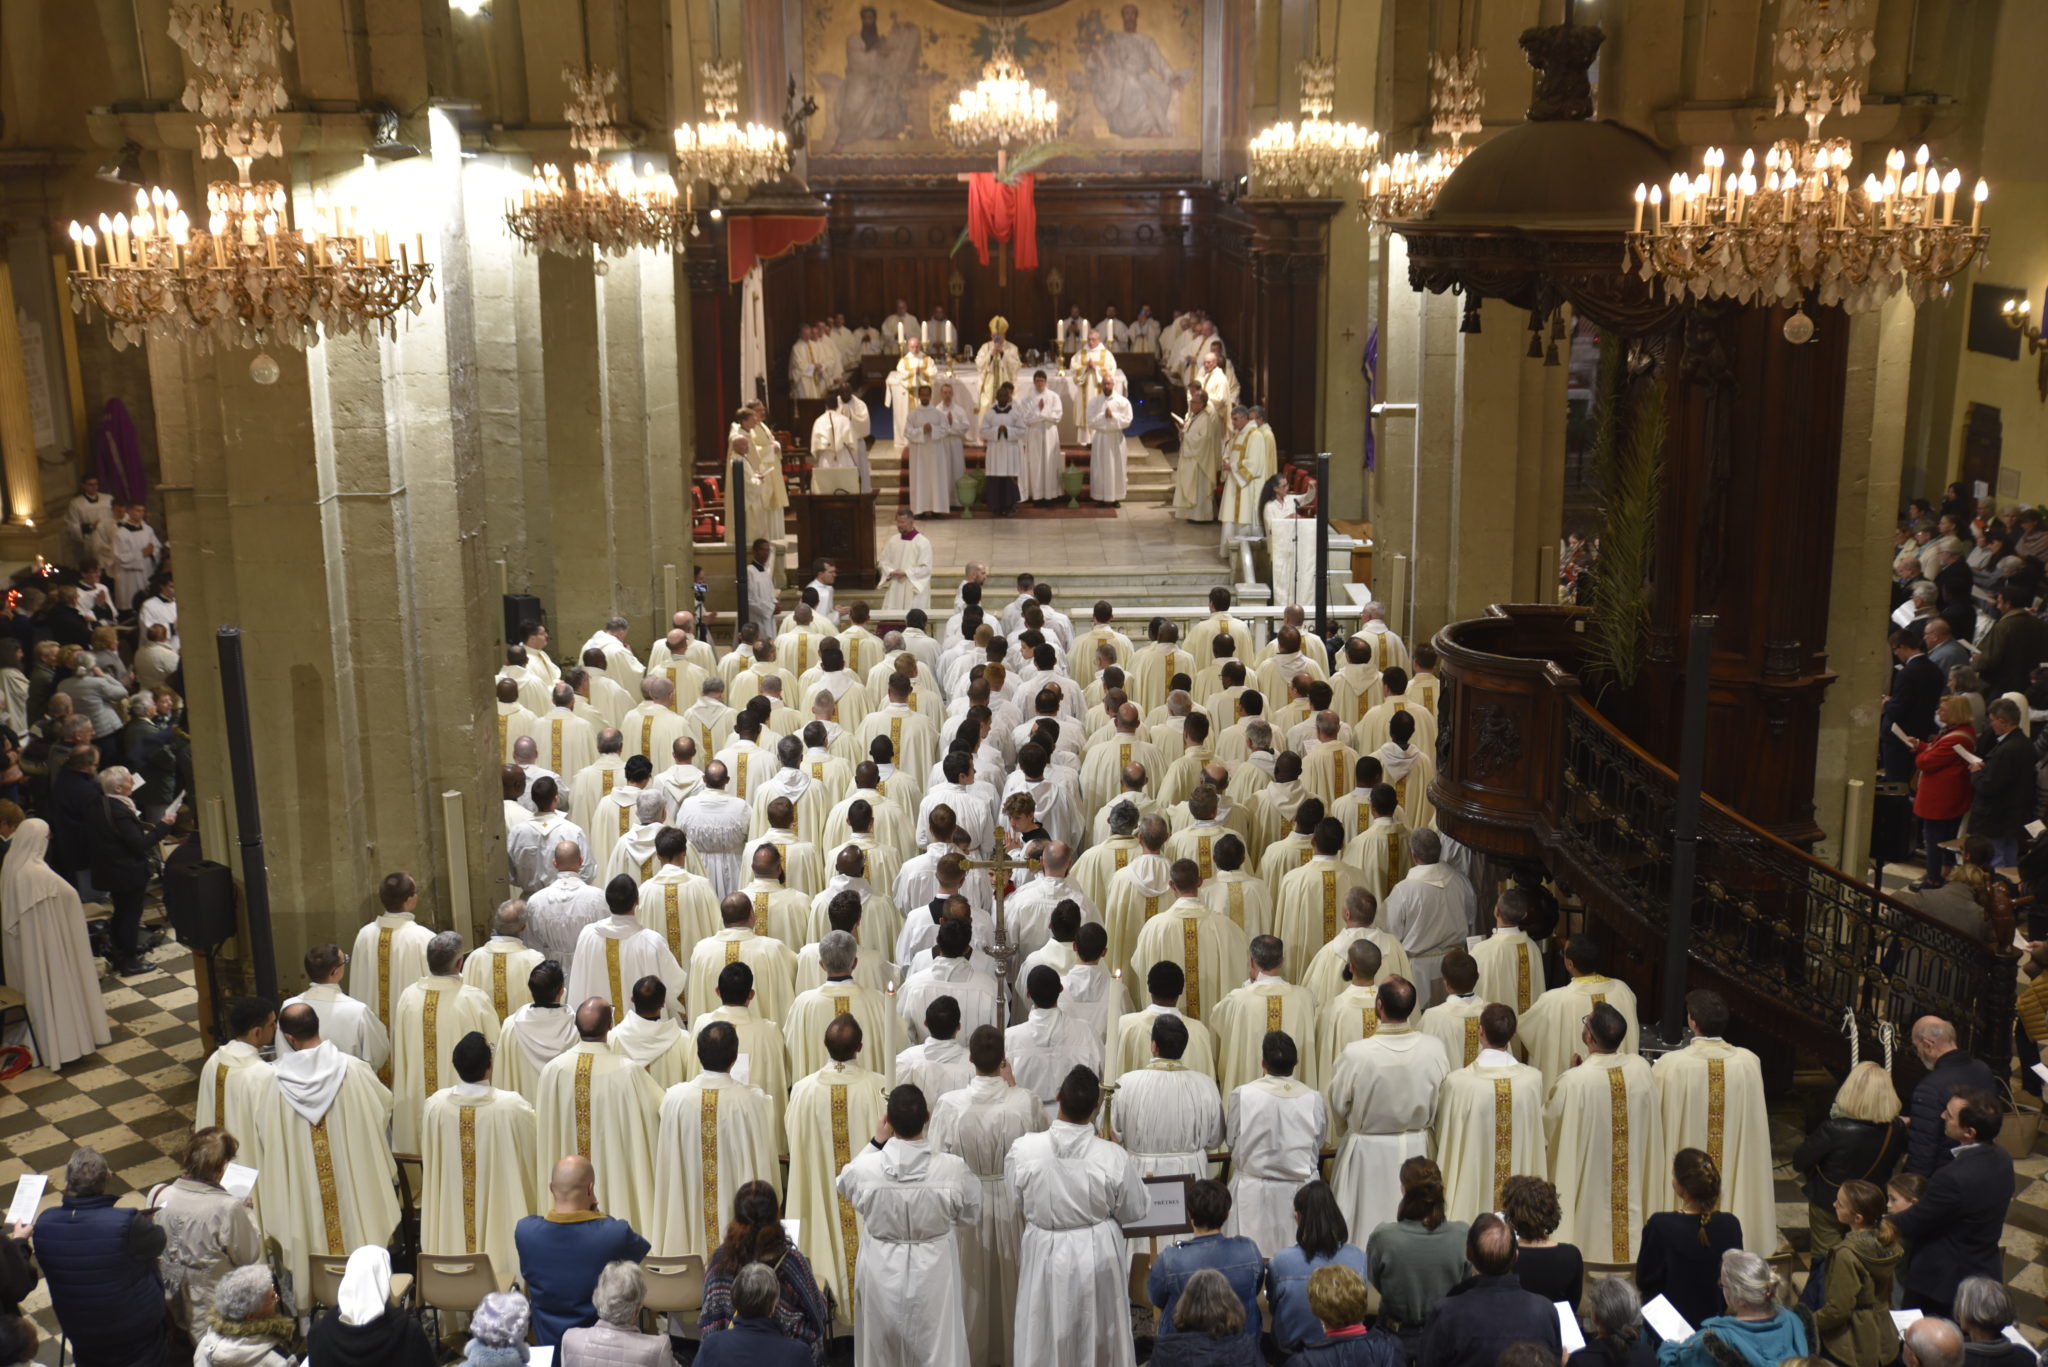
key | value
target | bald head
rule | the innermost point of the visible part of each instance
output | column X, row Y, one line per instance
column 568, row 856
column 573, row 1184
column 524, row 750
column 1057, row 859
column 594, row 1018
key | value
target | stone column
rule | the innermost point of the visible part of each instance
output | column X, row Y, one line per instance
column 1866, row 509
column 17, row 432
column 579, row 502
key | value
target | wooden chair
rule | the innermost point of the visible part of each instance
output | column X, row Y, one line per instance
column 457, row 1282
column 1602, row 1270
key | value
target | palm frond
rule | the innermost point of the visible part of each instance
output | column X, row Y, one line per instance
column 1031, row 158
column 1632, row 474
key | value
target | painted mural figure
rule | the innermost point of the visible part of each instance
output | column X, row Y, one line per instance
column 874, row 98
column 1130, row 79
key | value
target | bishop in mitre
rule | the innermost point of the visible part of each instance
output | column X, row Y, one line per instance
column 1489, row 1121
column 391, row 951
column 1385, row 1087
column 319, row 1140
column 478, row 1169
column 1275, row 1126
column 716, row 1134
column 1604, row 1128
column 536, row 1034
column 615, row 953
column 1712, row 1097
column 651, row 1035
column 601, row 1106
column 1547, row 1029
column 832, row 1112
column 434, row 1012
column 997, row 363
column 1209, row 948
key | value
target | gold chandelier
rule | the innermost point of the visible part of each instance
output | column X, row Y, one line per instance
column 1403, row 187
column 599, row 205
column 724, row 154
column 248, row 278
column 1805, row 228
column 1308, row 159
column 1003, row 108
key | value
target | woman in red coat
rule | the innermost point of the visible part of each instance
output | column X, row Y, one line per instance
column 1943, row 797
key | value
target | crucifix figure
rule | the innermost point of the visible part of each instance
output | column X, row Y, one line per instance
column 1004, row 949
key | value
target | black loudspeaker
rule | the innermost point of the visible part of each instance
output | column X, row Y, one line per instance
column 520, row 608
column 199, row 900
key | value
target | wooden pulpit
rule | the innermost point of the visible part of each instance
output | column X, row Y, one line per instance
column 840, row 528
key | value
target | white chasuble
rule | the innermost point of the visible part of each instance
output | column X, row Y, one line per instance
column 1489, row 1126
column 320, row 1142
column 716, row 1135
column 1712, row 1094
column 479, row 1173
column 832, row 1115
column 430, row 1016
column 1604, row 1129
column 601, row 1105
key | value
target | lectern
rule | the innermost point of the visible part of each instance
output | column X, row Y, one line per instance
column 840, row 528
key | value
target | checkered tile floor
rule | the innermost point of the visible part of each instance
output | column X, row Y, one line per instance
column 133, row 1102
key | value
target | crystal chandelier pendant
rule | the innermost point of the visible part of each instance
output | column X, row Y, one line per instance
column 722, row 153
column 1003, row 109
column 246, row 276
column 601, row 207
column 1402, row 188
column 1310, row 159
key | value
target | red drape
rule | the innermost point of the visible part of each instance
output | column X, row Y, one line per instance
column 1008, row 213
column 763, row 237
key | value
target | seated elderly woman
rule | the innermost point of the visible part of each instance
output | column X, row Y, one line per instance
column 754, row 1337
column 497, row 1331
column 1757, row 1327
column 1983, row 1313
column 1614, row 1326
column 615, row 1340
column 1208, row 1327
column 243, row 1328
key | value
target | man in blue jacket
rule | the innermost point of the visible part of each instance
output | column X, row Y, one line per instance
column 100, row 1264
column 1482, row 1316
column 1955, row 1226
column 561, row 1252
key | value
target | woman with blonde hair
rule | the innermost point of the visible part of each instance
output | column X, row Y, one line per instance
column 1337, row 1296
column 1943, row 796
column 1862, row 1139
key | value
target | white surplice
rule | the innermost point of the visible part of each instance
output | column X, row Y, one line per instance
column 615, row 953
column 1075, row 1192
column 980, row 1122
column 1169, row 1117
column 1108, row 416
column 906, row 565
column 1043, row 459
column 1275, row 1127
column 1046, row 1047
column 908, row 1288
column 1386, row 1088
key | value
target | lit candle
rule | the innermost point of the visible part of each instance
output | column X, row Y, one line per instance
column 1642, row 194
column 1656, row 208
column 1983, row 192
column 78, row 246
column 1949, row 183
column 92, row 254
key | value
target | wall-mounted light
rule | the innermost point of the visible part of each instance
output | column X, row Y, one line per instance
column 2017, row 312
